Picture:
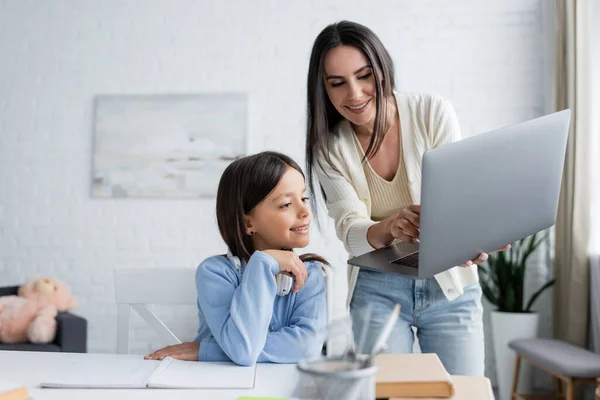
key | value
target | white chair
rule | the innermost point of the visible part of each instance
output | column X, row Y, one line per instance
column 137, row 287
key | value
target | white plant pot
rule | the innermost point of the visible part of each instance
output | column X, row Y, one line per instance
column 507, row 327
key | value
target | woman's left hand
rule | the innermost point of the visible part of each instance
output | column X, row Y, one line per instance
column 187, row 351
column 484, row 256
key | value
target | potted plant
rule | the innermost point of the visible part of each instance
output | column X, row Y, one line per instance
column 502, row 279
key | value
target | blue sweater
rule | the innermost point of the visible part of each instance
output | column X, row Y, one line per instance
column 243, row 320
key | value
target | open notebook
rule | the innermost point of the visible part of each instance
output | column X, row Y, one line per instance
column 134, row 373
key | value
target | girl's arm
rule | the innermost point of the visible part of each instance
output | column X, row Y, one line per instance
column 303, row 338
column 305, row 335
column 238, row 316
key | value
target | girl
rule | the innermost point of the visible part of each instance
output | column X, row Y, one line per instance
column 247, row 313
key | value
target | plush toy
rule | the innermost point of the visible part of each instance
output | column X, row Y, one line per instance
column 31, row 316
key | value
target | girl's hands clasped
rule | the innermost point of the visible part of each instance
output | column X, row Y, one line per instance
column 290, row 263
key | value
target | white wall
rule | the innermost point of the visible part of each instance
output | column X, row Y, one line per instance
column 487, row 57
column 595, row 68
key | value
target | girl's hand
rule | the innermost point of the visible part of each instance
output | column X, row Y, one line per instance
column 290, row 263
column 405, row 225
column 484, row 256
column 187, row 351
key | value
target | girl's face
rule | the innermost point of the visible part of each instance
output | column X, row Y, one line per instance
column 282, row 219
column 350, row 84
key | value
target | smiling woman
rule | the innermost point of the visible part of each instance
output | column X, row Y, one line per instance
column 365, row 141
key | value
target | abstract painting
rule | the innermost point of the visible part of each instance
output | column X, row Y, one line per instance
column 166, row 146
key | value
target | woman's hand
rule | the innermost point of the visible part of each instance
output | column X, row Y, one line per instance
column 187, row 351
column 404, row 226
column 290, row 264
column 484, row 256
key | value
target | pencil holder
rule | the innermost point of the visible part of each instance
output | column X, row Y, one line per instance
column 335, row 378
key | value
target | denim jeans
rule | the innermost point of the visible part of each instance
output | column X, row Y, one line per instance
column 451, row 329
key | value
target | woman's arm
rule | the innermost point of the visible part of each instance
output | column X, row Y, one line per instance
column 354, row 227
column 348, row 211
column 380, row 234
column 444, row 126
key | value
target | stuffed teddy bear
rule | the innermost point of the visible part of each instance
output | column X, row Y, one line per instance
column 31, row 316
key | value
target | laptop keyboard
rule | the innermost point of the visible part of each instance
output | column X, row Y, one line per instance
column 411, row 260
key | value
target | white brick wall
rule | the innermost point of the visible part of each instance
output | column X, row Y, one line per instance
column 486, row 57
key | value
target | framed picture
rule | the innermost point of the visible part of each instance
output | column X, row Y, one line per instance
column 166, row 146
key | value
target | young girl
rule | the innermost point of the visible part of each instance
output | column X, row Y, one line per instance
column 247, row 313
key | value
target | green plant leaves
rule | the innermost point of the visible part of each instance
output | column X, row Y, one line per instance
column 502, row 276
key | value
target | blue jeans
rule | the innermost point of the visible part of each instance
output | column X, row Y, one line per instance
column 451, row 329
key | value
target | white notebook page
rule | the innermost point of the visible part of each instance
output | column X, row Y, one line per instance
column 103, row 372
column 202, row 375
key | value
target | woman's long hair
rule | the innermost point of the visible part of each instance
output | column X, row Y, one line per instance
column 244, row 184
column 321, row 116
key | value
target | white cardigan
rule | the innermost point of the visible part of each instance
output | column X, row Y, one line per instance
column 426, row 121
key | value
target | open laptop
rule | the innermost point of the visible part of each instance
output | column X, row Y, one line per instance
column 480, row 194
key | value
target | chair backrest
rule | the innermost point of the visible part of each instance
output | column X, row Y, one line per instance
column 137, row 287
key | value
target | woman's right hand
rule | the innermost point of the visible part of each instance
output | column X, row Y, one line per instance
column 404, row 226
column 290, row 263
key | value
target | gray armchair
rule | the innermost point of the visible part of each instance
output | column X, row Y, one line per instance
column 71, row 332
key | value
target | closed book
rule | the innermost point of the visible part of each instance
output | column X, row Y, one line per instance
column 465, row 388
column 412, row 375
column 13, row 391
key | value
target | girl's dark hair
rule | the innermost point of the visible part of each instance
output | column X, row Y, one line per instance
column 321, row 116
column 244, row 184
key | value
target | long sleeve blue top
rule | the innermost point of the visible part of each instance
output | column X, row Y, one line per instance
column 243, row 320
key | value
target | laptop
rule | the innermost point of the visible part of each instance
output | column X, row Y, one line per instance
column 480, row 194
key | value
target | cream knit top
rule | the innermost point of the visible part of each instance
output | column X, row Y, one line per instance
column 387, row 197
column 427, row 121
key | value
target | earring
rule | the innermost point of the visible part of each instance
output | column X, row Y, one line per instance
column 251, row 232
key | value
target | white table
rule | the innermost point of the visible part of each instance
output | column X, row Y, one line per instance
column 30, row 368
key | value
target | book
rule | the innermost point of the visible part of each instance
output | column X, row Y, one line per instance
column 13, row 391
column 136, row 373
column 412, row 375
column 465, row 388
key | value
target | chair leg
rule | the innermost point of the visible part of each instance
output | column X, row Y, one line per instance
column 570, row 393
column 515, row 383
column 559, row 386
column 123, row 328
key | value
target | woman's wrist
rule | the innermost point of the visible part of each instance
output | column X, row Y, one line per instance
column 380, row 234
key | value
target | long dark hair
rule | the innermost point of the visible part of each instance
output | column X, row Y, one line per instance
column 244, row 184
column 321, row 116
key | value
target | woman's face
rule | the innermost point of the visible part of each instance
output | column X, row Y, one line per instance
column 283, row 218
column 350, row 84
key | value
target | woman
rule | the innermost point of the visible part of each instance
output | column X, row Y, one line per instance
column 365, row 142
